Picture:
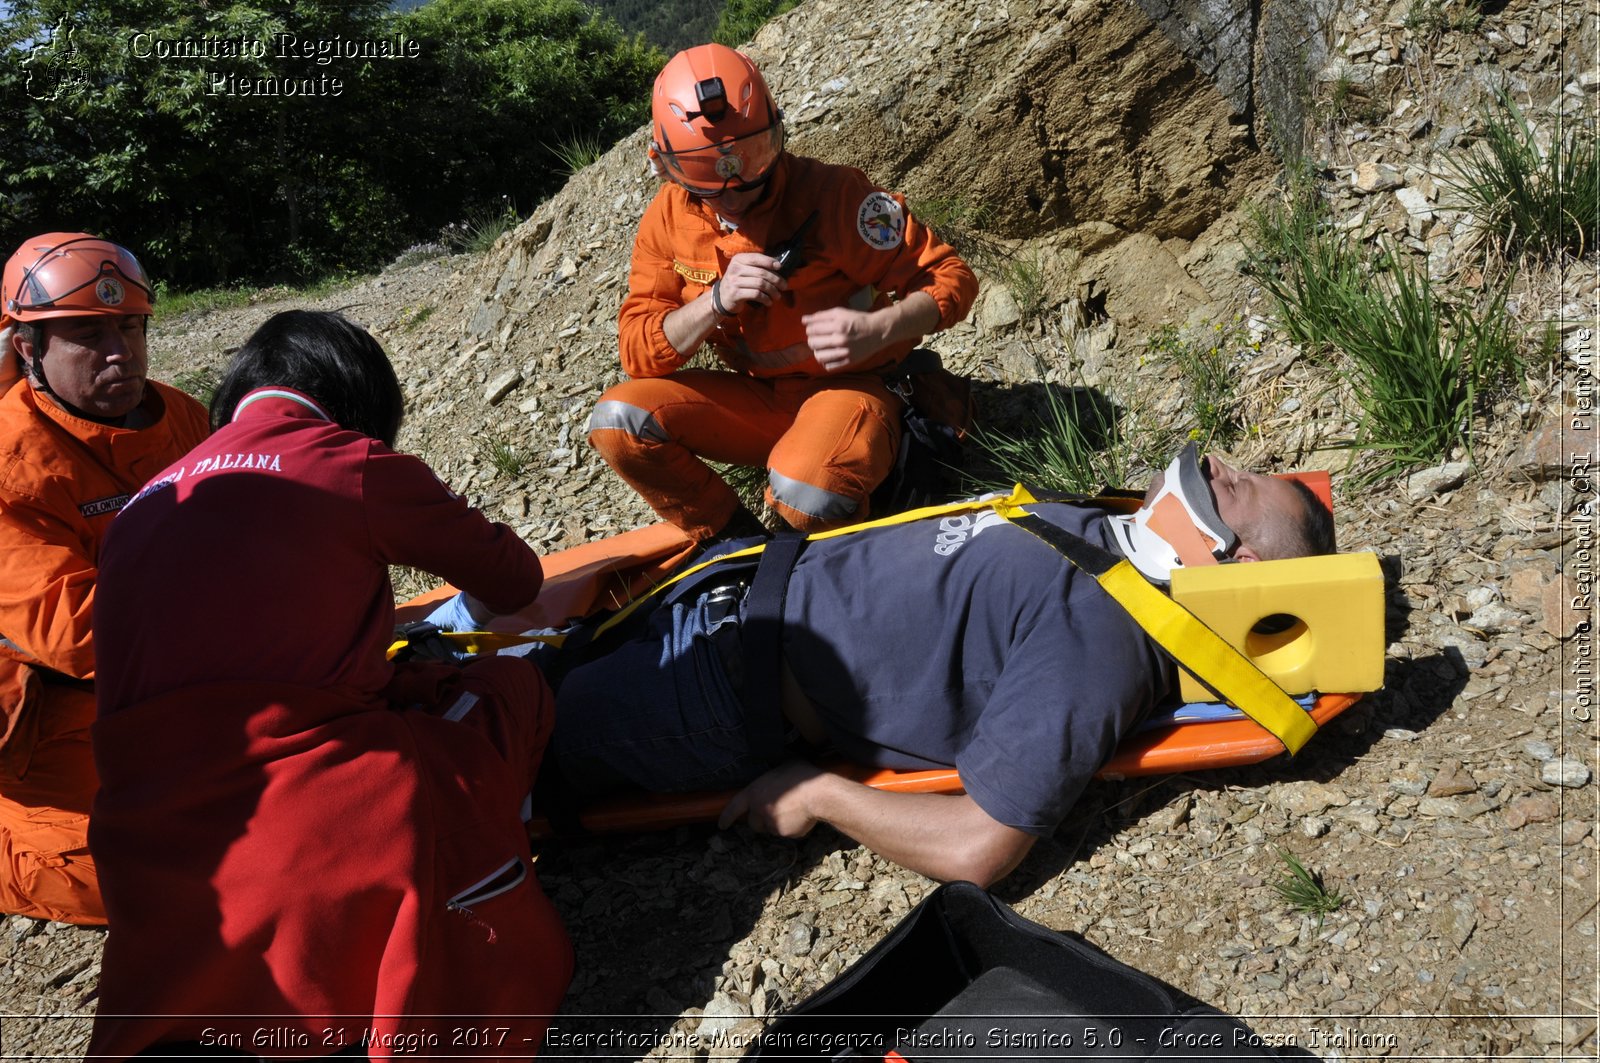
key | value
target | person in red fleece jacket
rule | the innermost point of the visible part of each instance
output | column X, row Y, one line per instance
column 297, row 838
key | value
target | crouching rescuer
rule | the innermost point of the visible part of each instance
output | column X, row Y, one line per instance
column 296, row 836
column 807, row 280
column 83, row 429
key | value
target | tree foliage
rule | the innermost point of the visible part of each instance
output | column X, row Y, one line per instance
column 741, row 18
column 272, row 139
column 673, row 25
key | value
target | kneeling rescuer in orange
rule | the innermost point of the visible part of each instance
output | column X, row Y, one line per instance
column 807, row 280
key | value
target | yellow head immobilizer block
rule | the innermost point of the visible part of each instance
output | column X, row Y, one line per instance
column 1335, row 642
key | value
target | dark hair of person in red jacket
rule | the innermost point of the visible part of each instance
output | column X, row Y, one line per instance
column 326, row 357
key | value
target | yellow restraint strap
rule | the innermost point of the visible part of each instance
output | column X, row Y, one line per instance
column 1196, row 647
column 1016, row 497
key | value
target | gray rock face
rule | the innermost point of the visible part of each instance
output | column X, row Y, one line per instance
column 1556, row 446
column 1568, row 772
column 1257, row 55
column 1218, row 36
column 1425, row 483
column 1291, row 39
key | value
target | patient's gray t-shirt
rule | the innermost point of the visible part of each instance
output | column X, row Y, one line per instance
column 968, row 642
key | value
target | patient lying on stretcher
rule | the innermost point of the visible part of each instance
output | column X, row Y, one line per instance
column 961, row 640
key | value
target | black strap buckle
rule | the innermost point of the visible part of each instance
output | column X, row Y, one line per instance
column 424, row 642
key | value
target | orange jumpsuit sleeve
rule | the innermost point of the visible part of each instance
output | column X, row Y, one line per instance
column 920, row 263
column 46, row 587
column 931, row 265
column 49, row 547
column 655, row 289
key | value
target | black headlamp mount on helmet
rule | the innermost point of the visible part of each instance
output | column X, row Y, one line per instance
column 712, row 98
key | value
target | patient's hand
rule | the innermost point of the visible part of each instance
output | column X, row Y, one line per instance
column 779, row 802
column 943, row 836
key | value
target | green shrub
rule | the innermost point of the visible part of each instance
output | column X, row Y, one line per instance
column 580, row 152
column 1304, row 891
column 1350, row 101
column 478, row 232
column 170, row 304
column 1534, row 202
column 199, row 383
column 210, row 187
column 1023, row 276
column 1420, row 363
column 1080, row 441
column 1421, row 367
column 413, row 316
column 947, row 215
column 1207, row 367
column 1304, row 265
column 964, row 224
column 740, row 19
column 1434, row 17
column 506, row 457
column 672, row 25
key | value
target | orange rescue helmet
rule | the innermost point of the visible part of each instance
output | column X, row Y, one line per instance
column 69, row 275
column 714, row 123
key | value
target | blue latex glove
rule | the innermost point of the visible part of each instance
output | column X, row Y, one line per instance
column 452, row 615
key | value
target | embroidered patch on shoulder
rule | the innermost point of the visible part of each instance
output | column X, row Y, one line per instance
column 692, row 275
column 880, row 221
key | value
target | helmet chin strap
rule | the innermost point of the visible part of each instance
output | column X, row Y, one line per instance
column 33, row 365
column 11, row 366
column 41, row 384
column 1179, row 526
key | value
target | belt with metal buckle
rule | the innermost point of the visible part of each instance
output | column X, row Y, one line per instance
column 722, row 608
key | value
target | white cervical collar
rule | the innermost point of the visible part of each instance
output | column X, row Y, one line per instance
column 1149, row 551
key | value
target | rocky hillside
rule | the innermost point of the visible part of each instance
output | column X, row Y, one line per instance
column 1097, row 158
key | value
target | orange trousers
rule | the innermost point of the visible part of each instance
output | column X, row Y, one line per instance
column 826, row 443
column 45, row 868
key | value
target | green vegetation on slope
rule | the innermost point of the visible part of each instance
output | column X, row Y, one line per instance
column 671, row 25
column 236, row 142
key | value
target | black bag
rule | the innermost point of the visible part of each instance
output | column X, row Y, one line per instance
column 937, row 415
column 963, row 977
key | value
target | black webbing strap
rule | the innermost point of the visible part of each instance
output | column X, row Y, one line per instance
column 1095, row 560
column 761, row 635
column 599, row 635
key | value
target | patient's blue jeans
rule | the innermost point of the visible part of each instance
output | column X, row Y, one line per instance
column 661, row 712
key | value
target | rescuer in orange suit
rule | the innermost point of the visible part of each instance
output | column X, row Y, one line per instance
column 81, row 429
column 809, row 282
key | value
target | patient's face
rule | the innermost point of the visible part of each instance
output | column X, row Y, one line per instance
column 1261, row 510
